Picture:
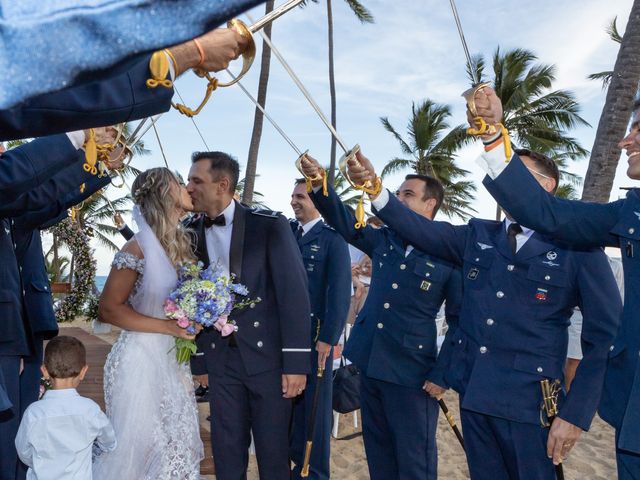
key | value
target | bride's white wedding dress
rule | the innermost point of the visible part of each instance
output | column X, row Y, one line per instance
column 149, row 396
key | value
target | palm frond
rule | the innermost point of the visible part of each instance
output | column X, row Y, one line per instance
column 361, row 12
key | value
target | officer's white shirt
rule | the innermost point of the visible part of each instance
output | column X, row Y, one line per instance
column 218, row 239
column 521, row 238
column 309, row 225
column 57, row 434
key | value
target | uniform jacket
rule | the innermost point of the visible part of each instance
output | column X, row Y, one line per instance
column 122, row 98
column 274, row 333
column 615, row 224
column 394, row 336
column 38, row 303
column 515, row 314
column 22, row 169
column 326, row 259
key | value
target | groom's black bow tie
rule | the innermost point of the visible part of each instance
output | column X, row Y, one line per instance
column 219, row 220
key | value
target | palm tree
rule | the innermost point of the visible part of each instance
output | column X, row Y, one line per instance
column 615, row 115
column 429, row 150
column 537, row 117
column 95, row 216
column 257, row 197
column 614, row 34
column 258, row 118
column 365, row 16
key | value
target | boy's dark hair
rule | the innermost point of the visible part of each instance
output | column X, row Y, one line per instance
column 543, row 164
column 432, row 189
column 299, row 181
column 220, row 163
column 64, row 357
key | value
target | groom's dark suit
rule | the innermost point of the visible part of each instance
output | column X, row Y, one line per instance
column 245, row 370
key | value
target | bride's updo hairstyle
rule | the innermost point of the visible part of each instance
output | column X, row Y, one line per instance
column 151, row 192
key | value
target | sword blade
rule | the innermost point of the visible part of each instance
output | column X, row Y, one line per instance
column 456, row 17
column 304, row 90
column 275, row 13
column 267, row 116
column 133, row 140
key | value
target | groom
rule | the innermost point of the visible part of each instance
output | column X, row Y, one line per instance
column 254, row 373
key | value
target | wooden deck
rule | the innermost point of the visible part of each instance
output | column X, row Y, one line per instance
column 91, row 387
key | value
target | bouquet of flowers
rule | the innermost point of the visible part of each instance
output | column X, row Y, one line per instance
column 206, row 297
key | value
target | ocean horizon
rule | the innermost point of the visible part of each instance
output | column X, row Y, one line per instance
column 100, row 280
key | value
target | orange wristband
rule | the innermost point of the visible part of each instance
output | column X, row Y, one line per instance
column 497, row 142
column 200, row 51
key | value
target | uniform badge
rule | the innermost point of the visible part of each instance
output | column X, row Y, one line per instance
column 7, row 230
column 551, row 264
column 637, row 215
column 315, row 248
column 541, row 294
column 429, row 264
column 552, row 255
column 425, row 285
column 484, row 246
column 473, row 274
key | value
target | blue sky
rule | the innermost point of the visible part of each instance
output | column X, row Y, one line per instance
column 412, row 52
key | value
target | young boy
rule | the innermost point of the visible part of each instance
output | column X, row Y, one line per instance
column 57, row 433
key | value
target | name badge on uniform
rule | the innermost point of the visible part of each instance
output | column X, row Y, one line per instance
column 473, row 274
column 425, row 285
column 541, row 294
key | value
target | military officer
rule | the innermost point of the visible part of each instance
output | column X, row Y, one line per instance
column 35, row 161
column 255, row 372
column 615, row 224
column 393, row 341
column 326, row 259
column 121, row 97
column 519, row 291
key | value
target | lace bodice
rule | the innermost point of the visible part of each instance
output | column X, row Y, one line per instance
column 128, row 260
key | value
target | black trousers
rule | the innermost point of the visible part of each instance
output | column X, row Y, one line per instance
column 241, row 405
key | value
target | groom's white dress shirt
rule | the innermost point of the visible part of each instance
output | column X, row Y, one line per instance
column 218, row 239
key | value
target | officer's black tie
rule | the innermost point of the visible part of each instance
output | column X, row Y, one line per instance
column 299, row 233
column 219, row 220
column 513, row 230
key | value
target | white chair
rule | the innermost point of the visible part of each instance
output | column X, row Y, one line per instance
column 336, row 365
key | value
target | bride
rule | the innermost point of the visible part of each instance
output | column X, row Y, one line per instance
column 149, row 395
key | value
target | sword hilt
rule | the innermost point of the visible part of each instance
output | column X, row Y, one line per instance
column 249, row 53
column 307, row 458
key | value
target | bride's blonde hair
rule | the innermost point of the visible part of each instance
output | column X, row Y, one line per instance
column 151, row 191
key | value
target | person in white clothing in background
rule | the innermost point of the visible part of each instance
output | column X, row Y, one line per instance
column 57, row 433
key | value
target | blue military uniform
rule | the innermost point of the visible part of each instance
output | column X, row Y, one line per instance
column 122, row 98
column 513, row 334
column 21, row 170
column 584, row 224
column 326, row 259
column 393, row 342
column 245, row 369
column 38, row 302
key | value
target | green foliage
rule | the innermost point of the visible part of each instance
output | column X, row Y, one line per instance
column 429, row 149
column 537, row 117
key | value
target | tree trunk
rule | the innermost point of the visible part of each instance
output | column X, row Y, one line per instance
column 258, row 118
column 615, row 115
column 332, row 90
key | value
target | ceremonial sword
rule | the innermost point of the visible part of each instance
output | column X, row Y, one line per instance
column 312, row 424
column 469, row 95
column 348, row 152
column 247, row 55
column 451, row 421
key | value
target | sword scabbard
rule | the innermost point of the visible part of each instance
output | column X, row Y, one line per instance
column 307, row 458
